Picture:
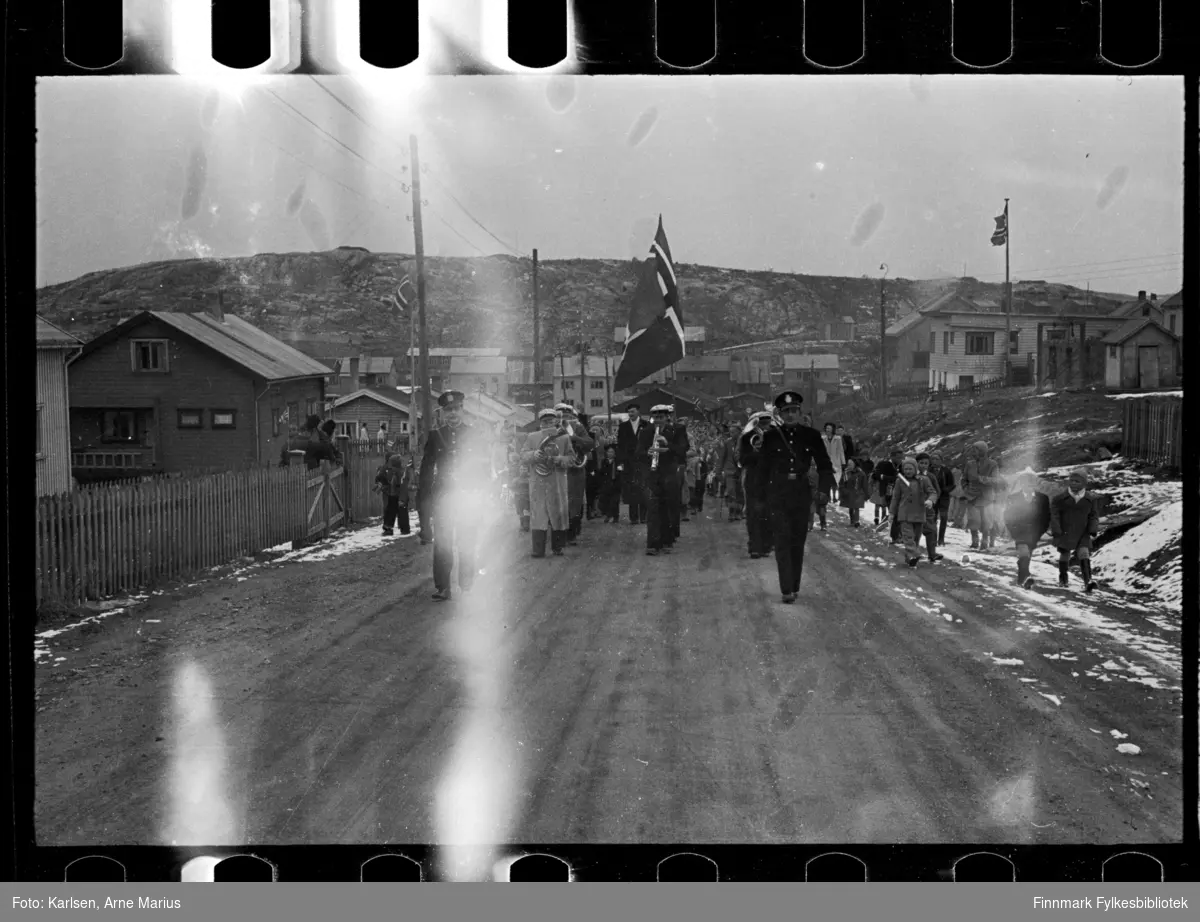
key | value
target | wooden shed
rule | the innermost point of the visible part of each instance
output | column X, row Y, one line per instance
column 1141, row 355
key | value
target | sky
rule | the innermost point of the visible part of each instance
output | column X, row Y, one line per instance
column 828, row 175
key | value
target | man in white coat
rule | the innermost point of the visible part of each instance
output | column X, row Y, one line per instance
column 837, row 455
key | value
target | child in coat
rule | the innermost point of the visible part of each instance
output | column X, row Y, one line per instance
column 1027, row 516
column 854, row 490
column 610, row 486
column 1074, row 522
column 393, row 480
column 912, row 497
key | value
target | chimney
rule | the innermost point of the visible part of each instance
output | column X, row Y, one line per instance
column 1153, row 296
column 1142, row 295
column 215, row 306
column 354, row 374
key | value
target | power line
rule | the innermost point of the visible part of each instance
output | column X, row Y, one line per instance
column 349, row 108
column 1102, row 263
column 1140, row 272
column 456, row 231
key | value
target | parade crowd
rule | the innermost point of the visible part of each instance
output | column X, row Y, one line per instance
column 777, row 474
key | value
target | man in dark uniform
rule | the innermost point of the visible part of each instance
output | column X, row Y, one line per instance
column 677, row 438
column 654, row 441
column 632, row 487
column 787, row 453
column 758, row 524
column 455, row 466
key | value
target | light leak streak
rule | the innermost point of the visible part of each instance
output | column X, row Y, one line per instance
column 476, row 800
column 200, row 808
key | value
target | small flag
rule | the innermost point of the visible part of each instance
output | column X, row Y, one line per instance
column 1000, row 234
column 654, row 337
column 405, row 292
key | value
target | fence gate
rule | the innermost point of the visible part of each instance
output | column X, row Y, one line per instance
column 324, row 492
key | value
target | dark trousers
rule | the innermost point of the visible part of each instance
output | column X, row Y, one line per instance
column 930, row 533
column 610, row 502
column 943, row 516
column 658, row 516
column 425, row 518
column 758, row 524
column 592, row 491
column 854, row 515
column 789, row 529
column 697, row 503
column 393, row 511
column 673, row 481
column 453, row 535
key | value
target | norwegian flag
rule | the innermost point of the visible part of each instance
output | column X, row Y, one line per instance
column 405, row 291
column 1000, row 234
column 654, row 334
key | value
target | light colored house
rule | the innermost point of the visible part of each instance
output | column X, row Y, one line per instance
column 908, row 340
column 52, row 428
column 842, row 330
column 596, row 384
column 1142, row 306
column 473, row 374
column 380, row 371
column 1142, row 355
column 813, row 373
column 1172, row 309
column 439, row 363
column 967, row 347
column 368, row 407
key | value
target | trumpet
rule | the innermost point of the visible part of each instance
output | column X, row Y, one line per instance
column 660, row 441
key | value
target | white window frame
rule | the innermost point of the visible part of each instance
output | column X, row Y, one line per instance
column 989, row 336
column 232, row 417
column 179, row 411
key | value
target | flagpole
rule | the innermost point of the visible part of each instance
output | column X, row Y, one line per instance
column 413, row 441
column 1008, row 312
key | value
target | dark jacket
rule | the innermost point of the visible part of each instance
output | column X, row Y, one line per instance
column 453, row 458
column 979, row 480
column 1027, row 519
column 943, row 479
column 1073, row 523
column 792, row 451
column 609, row 477
column 394, row 481
column 852, row 491
column 848, row 445
column 669, row 459
column 627, row 442
column 884, row 475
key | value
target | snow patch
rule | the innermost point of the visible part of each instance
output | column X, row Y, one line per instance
column 1053, row 698
column 1006, row 662
column 1136, row 395
column 1129, row 749
column 1118, row 735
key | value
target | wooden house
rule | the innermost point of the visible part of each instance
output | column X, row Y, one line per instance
column 361, row 371
column 473, row 374
column 814, row 375
column 710, row 374
column 165, row 392
column 56, row 348
column 909, row 341
column 1142, row 355
column 1173, row 314
column 369, row 407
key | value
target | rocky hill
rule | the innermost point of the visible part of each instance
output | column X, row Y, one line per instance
column 488, row 301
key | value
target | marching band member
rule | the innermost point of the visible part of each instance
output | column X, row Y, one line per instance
column 677, row 438
column 656, row 457
column 581, row 444
column 455, row 467
column 787, row 453
column 633, row 491
column 758, row 525
column 547, row 453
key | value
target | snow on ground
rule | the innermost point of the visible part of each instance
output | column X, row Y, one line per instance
column 1139, row 394
column 1154, row 545
column 41, row 649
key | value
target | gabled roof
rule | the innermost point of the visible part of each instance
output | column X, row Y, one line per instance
column 370, row 394
column 479, row 365
column 1176, row 300
column 368, row 365
column 51, row 336
column 1131, row 308
column 700, row 363
column 246, row 345
column 825, row 362
column 1132, row 326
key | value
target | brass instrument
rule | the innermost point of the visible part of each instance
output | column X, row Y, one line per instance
column 759, row 430
column 545, row 467
column 660, row 441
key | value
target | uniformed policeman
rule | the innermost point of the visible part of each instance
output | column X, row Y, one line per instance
column 455, row 472
column 788, row 451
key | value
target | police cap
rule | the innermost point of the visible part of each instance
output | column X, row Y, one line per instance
column 788, row 399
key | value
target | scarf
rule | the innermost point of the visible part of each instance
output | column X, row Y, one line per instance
column 1077, row 496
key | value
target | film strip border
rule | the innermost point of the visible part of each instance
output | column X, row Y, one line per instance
column 382, row 37
column 632, row 863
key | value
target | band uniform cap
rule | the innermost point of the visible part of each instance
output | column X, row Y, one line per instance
column 564, row 408
column 547, row 414
column 450, row 397
column 789, row 399
column 660, row 408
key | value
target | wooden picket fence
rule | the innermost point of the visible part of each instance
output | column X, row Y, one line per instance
column 1152, row 430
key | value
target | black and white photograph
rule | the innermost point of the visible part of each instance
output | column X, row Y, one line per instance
column 481, row 460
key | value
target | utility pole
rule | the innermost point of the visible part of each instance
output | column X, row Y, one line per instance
column 582, row 374
column 562, row 373
column 607, row 394
column 423, row 362
column 1008, row 311
column 537, row 344
column 882, row 339
column 414, row 443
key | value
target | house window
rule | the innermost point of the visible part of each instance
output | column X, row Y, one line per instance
column 952, row 339
column 224, row 419
column 1055, row 335
column 599, row 385
column 1014, row 342
column 1171, row 323
column 119, row 426
column 191, row 419
column 932, row 341
column 294, row 420
column 981, row 344
column 569, row 385
column 276, row 412
column 148, row 354
column 597, row 403
column 945, row 343
column 1112, row 352
column 311, row 406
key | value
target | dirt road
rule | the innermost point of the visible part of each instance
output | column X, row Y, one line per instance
column 610, row 697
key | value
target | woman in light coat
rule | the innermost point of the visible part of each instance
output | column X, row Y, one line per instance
column 837, row 455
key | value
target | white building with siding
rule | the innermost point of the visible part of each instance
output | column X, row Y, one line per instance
column 52, row 432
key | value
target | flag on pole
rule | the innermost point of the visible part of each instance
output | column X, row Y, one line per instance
column 1000, row 234
column 654, row 334
column 405, row 291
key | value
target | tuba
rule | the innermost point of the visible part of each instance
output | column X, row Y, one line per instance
column 545, row 467
column 759, row 430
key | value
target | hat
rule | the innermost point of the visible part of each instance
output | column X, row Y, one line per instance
column 908, row 459
column 564, row 408
column 980, row 446
column 660, row 408
column 1078, row 474
column 450, row 397
column 547, row 414
column 789, row 399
